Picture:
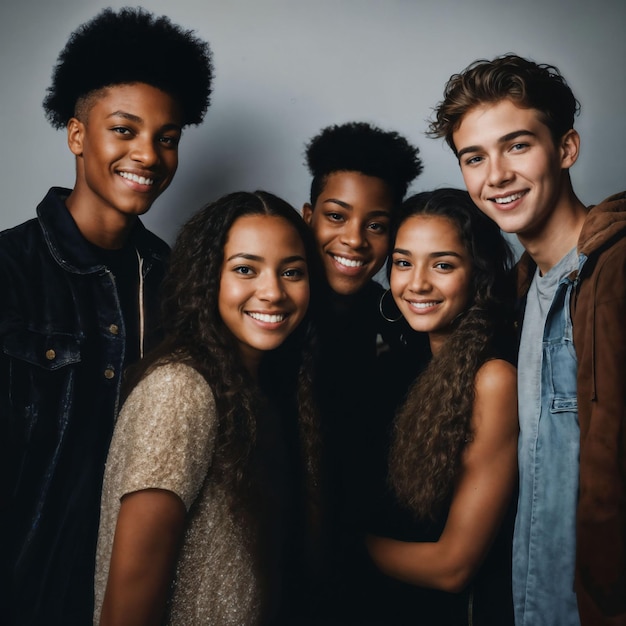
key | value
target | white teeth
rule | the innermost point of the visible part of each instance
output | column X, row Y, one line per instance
column 137, row 179
column 348, row 262
column 270, row 319
column 423, row 305
column 507, row 199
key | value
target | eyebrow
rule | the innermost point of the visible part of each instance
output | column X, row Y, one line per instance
column 131, row 117
column 255, row 257
column 349, row 207
column 434, row 255
column 508, row 137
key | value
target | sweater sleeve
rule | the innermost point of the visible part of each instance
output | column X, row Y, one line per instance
column 164, row 437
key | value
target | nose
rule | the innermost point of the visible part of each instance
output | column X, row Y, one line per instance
column 352, row 235
column 499, row 171
column 419, row 282
column 144, row 151
column 270, row 288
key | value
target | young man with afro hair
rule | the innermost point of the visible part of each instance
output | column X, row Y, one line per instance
column 81, row 297
column 361, row 174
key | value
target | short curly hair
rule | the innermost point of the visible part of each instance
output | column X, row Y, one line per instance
column 528, row 84
column 361, row 147
column 131, row 46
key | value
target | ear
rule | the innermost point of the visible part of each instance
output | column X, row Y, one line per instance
column 75, row 136
column 570, row 148
column 307, row 213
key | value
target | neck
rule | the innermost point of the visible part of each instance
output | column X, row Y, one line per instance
column 110, row 233
column 558, row 234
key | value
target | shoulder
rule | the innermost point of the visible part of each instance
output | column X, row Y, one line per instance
column 171, row 395
column 495, row 374
column 495, row 404
column 171, row 410
column 173, row 381
column 13, row 240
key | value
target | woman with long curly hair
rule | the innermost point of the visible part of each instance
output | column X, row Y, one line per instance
column 214, row 448
column 453, row 453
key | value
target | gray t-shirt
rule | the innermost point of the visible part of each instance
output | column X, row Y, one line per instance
column 538, row 302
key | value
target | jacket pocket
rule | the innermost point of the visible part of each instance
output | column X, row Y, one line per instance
column 49, row 351
column 562, row 368
column 40, row 375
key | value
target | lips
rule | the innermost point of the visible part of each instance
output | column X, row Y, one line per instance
column 267, row 318
column 346, row 262
column 423, row 306
column 508, row 199
column 135, row 178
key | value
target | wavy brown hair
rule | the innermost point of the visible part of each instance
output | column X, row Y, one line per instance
column 528, row 84
column 195, row 334
column 433, row 426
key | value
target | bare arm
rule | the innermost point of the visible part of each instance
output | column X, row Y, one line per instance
column 481, row 498
column 149, row 529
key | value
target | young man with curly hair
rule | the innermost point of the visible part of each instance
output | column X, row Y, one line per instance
column 80, row 296
column 510, row 123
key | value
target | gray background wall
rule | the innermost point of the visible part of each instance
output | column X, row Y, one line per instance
column 287, row 68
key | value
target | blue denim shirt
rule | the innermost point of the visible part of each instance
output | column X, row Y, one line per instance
column 544, row 544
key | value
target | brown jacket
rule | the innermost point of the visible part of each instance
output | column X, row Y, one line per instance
column 598, row 309
column 599, row 323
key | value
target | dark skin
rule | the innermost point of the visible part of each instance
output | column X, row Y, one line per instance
column 126, row 148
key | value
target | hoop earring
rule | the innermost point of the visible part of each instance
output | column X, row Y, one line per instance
column 380, row 308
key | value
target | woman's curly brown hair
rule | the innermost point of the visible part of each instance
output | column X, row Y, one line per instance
column 433, row 426
column 195, row 334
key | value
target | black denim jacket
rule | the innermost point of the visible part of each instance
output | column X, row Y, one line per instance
column 62, row 351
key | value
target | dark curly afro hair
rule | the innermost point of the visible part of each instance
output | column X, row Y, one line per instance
column 360, row 147
column 131, row 46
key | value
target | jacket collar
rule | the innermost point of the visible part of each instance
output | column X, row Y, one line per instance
column 604, row 222
column 68, row 246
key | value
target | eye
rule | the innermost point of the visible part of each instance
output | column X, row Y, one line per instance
column 517, row 147
column 334, row 217
column 473, row 160
column 170, row 141
column 244, row 270
column 122, row 130
column 294, row 273
column 378, row 227
column 401, row 263
column 442, row 265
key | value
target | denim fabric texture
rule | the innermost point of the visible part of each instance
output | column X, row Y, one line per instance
column 62, row 349
column 544, row 544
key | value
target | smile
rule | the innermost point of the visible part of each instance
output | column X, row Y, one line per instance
column 347, row 262
column 141, row 180
column 423, row 305
column 274, row 318
column 510, row 198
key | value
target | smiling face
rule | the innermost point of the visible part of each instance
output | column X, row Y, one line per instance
column 513, row 170
column 264, row 284
column 350, row 222
column 431, row 275
column 126, row 145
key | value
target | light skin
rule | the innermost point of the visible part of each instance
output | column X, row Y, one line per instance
column 264, row 285
column 431, row 265
column 430, row 275
column 350, row 222
column 126, row 148
column 264, row 275
column 519, row 176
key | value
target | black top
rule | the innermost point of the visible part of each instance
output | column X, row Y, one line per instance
column 369, row 598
